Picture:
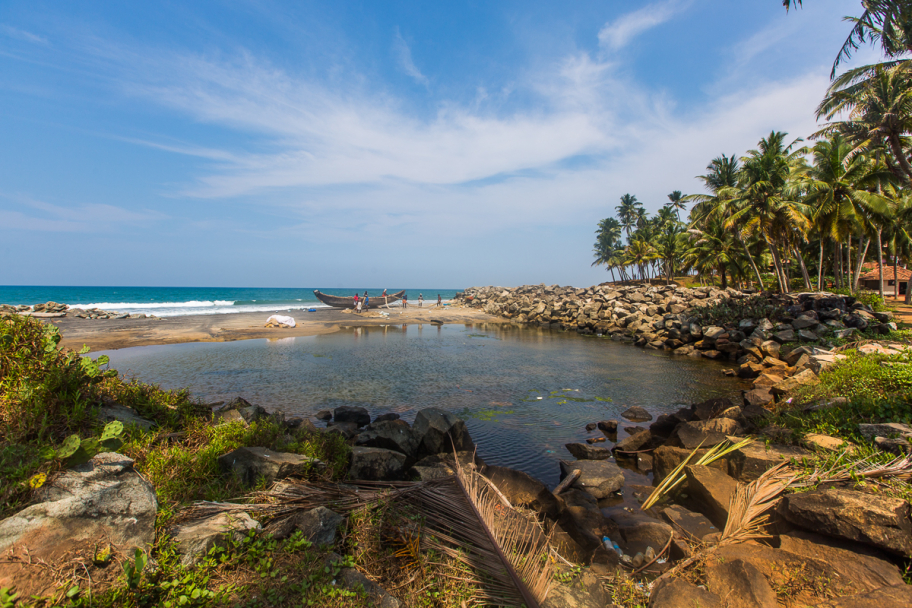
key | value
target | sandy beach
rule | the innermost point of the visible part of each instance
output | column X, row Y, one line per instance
column 111, row 334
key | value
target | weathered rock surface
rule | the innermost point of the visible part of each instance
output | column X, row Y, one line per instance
column 524, row 490
column 887, row 430
column 739, row 584
column 376, row 464
column 348, row 413
column 319, row 525
column 636, row 414
column 693, row 524
column 678, row 593
column 598, row 477
column 584, row 451
column 390, row 435
column 585, row 592
column 878, row 521
column 439, row 431
column 712, row 490
column 255, row 463
column 239, row 409
column 126, row 415
column 897, row 596
column 354, row 580
column 194, row 540
column 443, row 465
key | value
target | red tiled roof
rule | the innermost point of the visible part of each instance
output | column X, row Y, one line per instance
column 874, row 275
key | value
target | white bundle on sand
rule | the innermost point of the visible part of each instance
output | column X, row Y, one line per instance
column 276, row 320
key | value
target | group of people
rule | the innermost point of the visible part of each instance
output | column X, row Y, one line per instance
column 363, row 302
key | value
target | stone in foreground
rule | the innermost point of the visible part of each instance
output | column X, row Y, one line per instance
column 319, row 525
column 678, row 593
column 439, row 431
column 376, row 464
column 598, row 477
column 582, row 451
column 348, row 413
column 196, row 539
column 256, row 463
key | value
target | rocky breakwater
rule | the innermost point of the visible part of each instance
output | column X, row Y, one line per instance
column 778, row 341
column 55, row 310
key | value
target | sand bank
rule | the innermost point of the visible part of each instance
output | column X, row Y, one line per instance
column 106, row 334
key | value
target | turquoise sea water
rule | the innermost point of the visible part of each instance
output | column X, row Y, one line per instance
column 174, row 301
column 524, row 393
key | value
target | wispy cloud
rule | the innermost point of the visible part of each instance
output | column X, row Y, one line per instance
column 616, row 34
column 31, row 214
column 404, row 55
column 18, row 34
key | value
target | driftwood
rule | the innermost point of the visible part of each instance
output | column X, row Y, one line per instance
column 569, row 479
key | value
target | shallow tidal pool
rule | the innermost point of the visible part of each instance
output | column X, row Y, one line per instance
column 523, row 393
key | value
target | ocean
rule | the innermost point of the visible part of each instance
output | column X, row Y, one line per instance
column 177, row 301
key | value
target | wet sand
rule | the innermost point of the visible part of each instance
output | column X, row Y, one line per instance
column 109, row 334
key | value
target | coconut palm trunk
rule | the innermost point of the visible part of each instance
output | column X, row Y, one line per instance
column 804, row 270
column 862, row 253
column 880, row 261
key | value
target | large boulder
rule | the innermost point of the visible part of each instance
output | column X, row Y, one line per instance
column 252, row 464
column 239, row 409
column 376, row 464
column 665, row 458
column 584, row 451
column 194, row 540
column 754, row 459
column 390, row 435
column 896, row 596
column 102, row 500
column 879, row 521
column 678, row 593
column 636, row 414
column 694, row 525
column 707, row 433
column 884, row 429
column 349, row 413
column 439, row 431
column 444, row 465
column 319, row 525
column 635, row 442
column 789, row 385
column 740, row 583
column 711, row 490
column 521, row 489
column 598, row 477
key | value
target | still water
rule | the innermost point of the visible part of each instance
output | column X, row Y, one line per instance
column 524, row 393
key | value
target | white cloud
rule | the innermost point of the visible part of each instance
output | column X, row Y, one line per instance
column 404, row 54
column 32, row 214
column 616, row 34
column 18, row 34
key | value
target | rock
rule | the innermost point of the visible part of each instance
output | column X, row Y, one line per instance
column 608, row 426
column 355, row 581
column 665, row 458
column 319, row 525
column 711, row 408
column 583, row 592
column 324, row 415
column 194, row 540
column 598, row 477
column 879, row 521
column 253, row 464
column 390, row 435
column 789, row 385
column 754, row 459
column 376, row 464
column 826, row 442
column 706, row 433
column 696, row 525
column 126, row 415
column 643, row 532
column 887, row 429
column 582, row 451
column 637, row 414
column 348, row 413
column 807, row 336
column 712, row 490
column 803, row 322
column 758, row 397
column 521, row 489
column 769, row 379
column 860, row 566
column 900, row 447
column 634, row 442
column 104, row 498
column 740, row 583
column 770, row 348
column 785, row 336
column 239, row 409
column 438, row 431
column 896, row 596
column 386, row 417
column 591, row 426
column 679, row 593
column 346, row 429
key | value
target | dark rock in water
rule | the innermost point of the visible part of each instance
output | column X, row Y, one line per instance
column 194, row 540
column 582, row 451
column 863, row 567
column 879, row 521
column 376, row 464
column 711, row 408
column 443, row 465
column 385, row 417
column 741, row 583
column 694, row 524
column 390, row 435
column 102, row 499
column 633, row 430
column 598, row 477
column 592, row 440
column 712, row 490
column 523, row 490
column 665, row 424
column 324, row 415
column 637, row 414
column 253, row 464
column 348, row 413
column 439, row 431
column 346, row 429
column 634, row 442
column 608, row 426
column 677, row 593
column 591, row 426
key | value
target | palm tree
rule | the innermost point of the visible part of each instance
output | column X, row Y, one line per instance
column 763, row 202
column 608, row 237
column 640, row 253
column 628, row 212
column 714, row 248
column 670, row 246
column 677, row 202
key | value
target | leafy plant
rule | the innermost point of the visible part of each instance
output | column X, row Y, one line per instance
column 133, row 570
column 75, row 451
column 8, row 597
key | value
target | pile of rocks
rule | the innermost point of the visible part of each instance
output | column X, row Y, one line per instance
column 54, row 310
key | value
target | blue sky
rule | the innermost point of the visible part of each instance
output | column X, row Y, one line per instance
column 264, row 143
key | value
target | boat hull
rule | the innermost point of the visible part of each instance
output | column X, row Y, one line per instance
column 349, row 302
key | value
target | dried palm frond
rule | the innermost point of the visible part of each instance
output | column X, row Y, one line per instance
column 747, row 512
column 676, row 476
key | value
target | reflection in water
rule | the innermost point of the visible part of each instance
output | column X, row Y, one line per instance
column 524, row 393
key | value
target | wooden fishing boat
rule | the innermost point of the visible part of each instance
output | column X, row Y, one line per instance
column 349, row 302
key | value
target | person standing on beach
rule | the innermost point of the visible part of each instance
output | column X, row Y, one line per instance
column 357, row 306
column 405, row 300
column 420, row 300
column 366, row 301
column 439, row 301
column 386, row 299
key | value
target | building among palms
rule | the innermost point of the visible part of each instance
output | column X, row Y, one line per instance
column 871, row 278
